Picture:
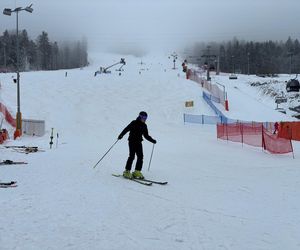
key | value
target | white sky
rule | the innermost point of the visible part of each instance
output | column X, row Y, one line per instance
column 157, row 23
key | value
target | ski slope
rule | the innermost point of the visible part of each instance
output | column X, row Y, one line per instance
column 220, row 195
column 242, row 96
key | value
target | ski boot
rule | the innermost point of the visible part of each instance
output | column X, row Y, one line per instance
column 137, row 175
column 127, row 174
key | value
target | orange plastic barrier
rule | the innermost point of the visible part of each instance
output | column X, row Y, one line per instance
column 256, row 135
column 3, row 135
column 289, row 130
column 7, row 115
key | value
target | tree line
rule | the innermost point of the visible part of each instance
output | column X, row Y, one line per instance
column 41, row 54
column 235, row 56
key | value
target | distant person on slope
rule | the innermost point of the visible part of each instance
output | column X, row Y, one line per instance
column 137, row 129
column 276, row 128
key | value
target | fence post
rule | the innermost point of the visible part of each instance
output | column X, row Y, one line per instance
column 226, row 131
column 263, row 144
column 242, row 132
column 291, row 141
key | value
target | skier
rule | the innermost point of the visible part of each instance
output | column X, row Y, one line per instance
column 137, row 129
column 276, row 127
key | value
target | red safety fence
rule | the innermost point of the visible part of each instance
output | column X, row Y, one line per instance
column 275, row 144
column 289, row 130
column 3, row 135
column 255, row 135
column 8, row 117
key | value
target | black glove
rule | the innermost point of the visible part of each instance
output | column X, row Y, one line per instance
column 154, row 141
column 120, row 137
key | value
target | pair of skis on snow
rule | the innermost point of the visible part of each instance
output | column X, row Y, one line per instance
column 25, row 149
column 8, row 184
column 9, row 162
column 11, row 184
column 145, row 182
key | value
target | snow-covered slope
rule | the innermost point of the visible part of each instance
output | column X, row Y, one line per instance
column 220, row 195
column 263, row 90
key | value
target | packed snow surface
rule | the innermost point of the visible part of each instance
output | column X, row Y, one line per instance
column 220, row 195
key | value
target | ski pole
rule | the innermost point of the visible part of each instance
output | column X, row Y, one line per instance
column 57, row 140
column 105, row 154
column 151, row 157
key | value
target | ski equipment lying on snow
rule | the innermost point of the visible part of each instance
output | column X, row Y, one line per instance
column 135, row 180
column 24, row 149
column 9, row 162
column 19, row 147
column 8, row 184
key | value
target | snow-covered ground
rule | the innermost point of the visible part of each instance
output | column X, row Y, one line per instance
column 265, row 90
column 220, row 195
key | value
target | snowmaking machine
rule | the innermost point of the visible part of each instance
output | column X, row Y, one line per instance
column 104, row 70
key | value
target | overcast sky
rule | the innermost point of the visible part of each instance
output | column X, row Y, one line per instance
column 150, row 24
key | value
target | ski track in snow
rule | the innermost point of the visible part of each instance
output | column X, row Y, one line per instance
column 220, row 195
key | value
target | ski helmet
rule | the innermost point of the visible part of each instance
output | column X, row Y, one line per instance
column 143, row 115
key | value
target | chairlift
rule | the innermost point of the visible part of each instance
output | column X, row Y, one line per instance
column 212, row 67
column 293, row 85
column 233, row 77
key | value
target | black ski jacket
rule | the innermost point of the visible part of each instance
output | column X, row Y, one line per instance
column 137, row 130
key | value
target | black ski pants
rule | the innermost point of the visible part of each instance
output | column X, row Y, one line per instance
column 135, row 148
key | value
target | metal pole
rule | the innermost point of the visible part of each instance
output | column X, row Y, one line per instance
column 207, row 74
column 19, row 116
column 248, row 64
column 4, row 54
column 225, row 97
column 8, row 12
column 291, row 55
column 218, row 65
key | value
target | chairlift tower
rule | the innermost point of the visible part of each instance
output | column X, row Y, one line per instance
column 208, row 57
column 248, row 60
column 290, row 54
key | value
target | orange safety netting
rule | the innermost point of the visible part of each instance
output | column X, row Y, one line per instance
column 8, row 117
column 276, row 145
column 289, row 130
column 252, row 134
column 256, row 135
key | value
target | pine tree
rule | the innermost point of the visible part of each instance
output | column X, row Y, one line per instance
column 44, row 51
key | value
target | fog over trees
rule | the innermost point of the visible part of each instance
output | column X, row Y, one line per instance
column 239, row 56
column 40, row 54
